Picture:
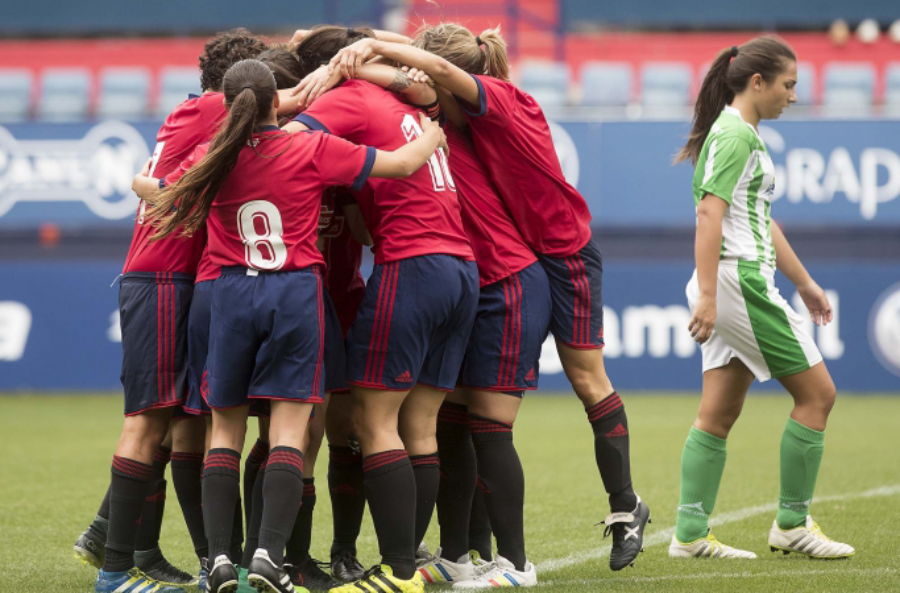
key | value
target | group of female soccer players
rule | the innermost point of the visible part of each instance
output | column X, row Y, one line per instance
column 242, row 286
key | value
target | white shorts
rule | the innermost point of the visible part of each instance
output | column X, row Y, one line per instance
column 754, row 323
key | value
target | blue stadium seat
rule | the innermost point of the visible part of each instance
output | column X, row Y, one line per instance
column 892, row 89
column 175, row 84
column 547, row 82
column 848, row 89
column 606, row 84
column 806, row 83
column 123, row 93
column 65, row 94
column 15, row 94
column 665, row 86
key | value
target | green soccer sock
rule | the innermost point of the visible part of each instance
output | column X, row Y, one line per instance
column 702, row 464
column 801, row 454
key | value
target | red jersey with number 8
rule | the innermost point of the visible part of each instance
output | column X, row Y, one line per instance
column 418, row 215
column 266, row 214
column 512, row 138
column 193, row 122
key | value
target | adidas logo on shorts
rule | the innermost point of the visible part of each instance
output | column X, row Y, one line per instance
column 404, row 377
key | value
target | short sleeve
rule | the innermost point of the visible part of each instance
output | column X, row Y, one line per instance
column 726, row 159
column 340, row 162
column 341, row 111
column 198, row 153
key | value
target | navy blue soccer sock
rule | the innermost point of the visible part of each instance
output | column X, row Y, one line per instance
column 128, row 489
column 221, row 491
column 611, row 448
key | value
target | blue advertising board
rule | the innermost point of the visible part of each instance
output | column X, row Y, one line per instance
column 59, row 326
column 828, row 173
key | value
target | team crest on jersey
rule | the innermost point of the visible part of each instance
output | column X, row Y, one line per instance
column 330, row 224
column 96, row 169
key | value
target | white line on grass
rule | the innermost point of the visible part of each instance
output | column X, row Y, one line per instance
column 727, row 575
column 662, row 537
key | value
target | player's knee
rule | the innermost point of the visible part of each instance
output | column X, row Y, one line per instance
column 826, row 398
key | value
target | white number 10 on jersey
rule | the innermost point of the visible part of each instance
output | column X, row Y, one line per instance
column 259, row 223
column 437, row 163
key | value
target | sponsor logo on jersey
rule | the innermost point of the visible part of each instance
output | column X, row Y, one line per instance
column 97, row 169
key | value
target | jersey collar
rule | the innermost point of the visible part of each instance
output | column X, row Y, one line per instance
column 737, row 113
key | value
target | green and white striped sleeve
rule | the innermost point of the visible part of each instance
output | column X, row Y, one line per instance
column 725, row 161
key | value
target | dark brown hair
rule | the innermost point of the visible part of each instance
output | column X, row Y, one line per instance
column 485, row 54
column 322, row 42
column 249, row 94
column 766, row 56
column 222, row 51
column 284, row 66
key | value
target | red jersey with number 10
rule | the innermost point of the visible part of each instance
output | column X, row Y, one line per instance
column 513, row 140
column 266, row 214
column 500, row 251
column 418, row 215
column 191, row 123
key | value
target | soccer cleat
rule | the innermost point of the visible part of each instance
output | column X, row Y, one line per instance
column 628, row 535
column 223, row 578
column 501, row 573
column 90, row 547
column 380, row 579
column 809, row 540
column 153, row 564
column 423, row 555
column 706, row 547
column 441, row 570
column 308, row 573
column 345, row 567
column 131, row 581
column 264, row 575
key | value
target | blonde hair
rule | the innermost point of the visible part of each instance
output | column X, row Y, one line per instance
column 484, row 54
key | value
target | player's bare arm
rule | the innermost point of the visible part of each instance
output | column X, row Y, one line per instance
column 706, row 253
column 812, row 294
column 454, row 79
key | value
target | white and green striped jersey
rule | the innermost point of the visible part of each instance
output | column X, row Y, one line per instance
column 735, row 166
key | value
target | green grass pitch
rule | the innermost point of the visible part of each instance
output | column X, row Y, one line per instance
column 55, row 467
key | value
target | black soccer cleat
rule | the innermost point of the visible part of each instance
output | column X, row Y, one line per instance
column 308, row 573
column 90, row 547
column 345, row 567
column 265, row 576
column 223, row 578
column 153, row 564
column 628, row 535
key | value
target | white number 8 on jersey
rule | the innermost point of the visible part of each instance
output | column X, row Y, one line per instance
column 261, row 229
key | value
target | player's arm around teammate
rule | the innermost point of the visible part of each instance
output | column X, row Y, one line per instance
column 745, row 327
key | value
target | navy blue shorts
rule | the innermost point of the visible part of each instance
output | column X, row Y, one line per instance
column 510, row 328
column 267, row 337
column 198, row 348
column 153, row 312
column 576, row 286
column 335, row 349
column 413, row 324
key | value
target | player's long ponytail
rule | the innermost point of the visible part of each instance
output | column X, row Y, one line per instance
column 728, row 75
column 249, row 94
column 484, row 54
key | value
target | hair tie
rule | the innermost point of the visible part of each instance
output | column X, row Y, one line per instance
column 734, row 51
column 247, row 86
column 478, row 41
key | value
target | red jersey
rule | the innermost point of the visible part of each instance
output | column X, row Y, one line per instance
column 194, row 121
column 408, row 217
column 206, row 270
column 500, row 250
column 266, row 214
column 512, row 138
column 343, row 256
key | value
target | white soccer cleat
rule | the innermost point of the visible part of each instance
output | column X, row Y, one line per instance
column 441, row 570
column 707, row 547
column 501, row 573
column 423, row 555
column 807, row 539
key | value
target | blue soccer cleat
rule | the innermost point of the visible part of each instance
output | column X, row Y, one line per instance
column 132, row 581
